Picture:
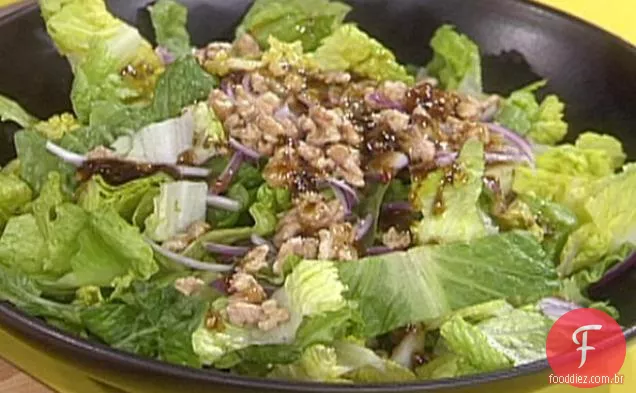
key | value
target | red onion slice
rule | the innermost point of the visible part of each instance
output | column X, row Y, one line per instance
column 78, row 160
column 223, row 203
column 384, row 102
column 378, row 250
column 224, row 249
column 345, row 194
column 225, row 178
column 521, row 143
column 397, row 206
column 261, row 241
column 236, row 145
column 555, row 308
column 226, row 86
column 165, row 55
column 364, row 226
column 189, row 262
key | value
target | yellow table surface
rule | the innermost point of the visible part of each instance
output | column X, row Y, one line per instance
column 616, row 16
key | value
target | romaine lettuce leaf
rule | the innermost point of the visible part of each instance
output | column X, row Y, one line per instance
column 178, row 206
column 169, row 19
column 456, row 62
column 351, row 49
column 446, row 278
column 599, row 142
column 12, row 111
column 154, row 321
column 124, row 199
column 446, row 365
column 542, row 123
column 461, row 218
column 67, row 247
column 293, row 20
column 14, row 194
column 318, row 363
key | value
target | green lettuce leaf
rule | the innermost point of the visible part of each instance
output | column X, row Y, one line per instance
column 12, row 111
column 57, row 126
column 293, row 20
column 542, row 123
column 68, row 247
column 17, row 288
column 178, row 206
column 169, row 19
column 370, row 206
column 155, row 321
column 349, row 48
column 611, row 146
column 447, row 365
column 124, row 199
column 456, row 62
column 36, row 162
column 447, row 278
column 574, row 161
column 318, row 363
column 14, row 194
column 461, row 218
column 312, row 293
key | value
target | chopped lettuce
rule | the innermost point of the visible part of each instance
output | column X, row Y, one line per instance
column 456, row 62
column 446, row 278
column 12, row 111
column 14, row 195
column 154, row 321
column 318, row 363
column 598, row 142
column 124, row 199
column 169, row 20
column 293, row 20
column 68, row 247
column 461, row 218
column 510, row 339
column 282, row 55
column 575, row 161
column 210, row 138
column 542, row 123
column 178, row 206
column 57, row 126
column 311, row 291
column 351, row 49
column 99, row 46
column 161, row 142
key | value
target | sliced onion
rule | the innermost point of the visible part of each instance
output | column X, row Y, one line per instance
column 261, row 241
column 399, row 161
column 555, row 308
column 65, row 155
column 226, row 86
column 165, row 55
column 397, row 206
column 364, row 226
column 404, row 353
column 225, row 178
column 382, row 101
column 236, row 145
column 220, row 285
column 224, row 249
column 345, row 193
column 520, row 142
column 189, row 262
column 192, row 171
column 283, row 113
column 247, row 86
column 79, row 160
column 378, row 250
column 446, row 159
column 223, row 203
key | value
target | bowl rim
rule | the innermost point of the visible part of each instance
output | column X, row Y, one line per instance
column 27, row 326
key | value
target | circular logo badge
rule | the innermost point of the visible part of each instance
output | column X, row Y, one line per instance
column 585, row 348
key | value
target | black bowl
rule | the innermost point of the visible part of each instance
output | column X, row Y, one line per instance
column 593, row 71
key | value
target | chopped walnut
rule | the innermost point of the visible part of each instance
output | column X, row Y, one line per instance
column 304, row 247
column 468, row 109
column 327, row 122
column 337, row 243
column 394, row 91
column 245, row 288
column 181, row 241
column 395, row 239
column 211, row 51
column 315, row 213
column 244, row 314
column 415, row 142
column 273, row 315
column 315, row 157
column 334, row 77
column 101, row 152
column 281, row 165
column 347, row 161
column 188, row 285
column 198, row 229
column 395, row 120
column 247, row 47
column 255, row 259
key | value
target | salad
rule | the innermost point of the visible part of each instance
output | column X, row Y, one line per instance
column 297, row 204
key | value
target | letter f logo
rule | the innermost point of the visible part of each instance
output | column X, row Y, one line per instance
column 583, row 343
